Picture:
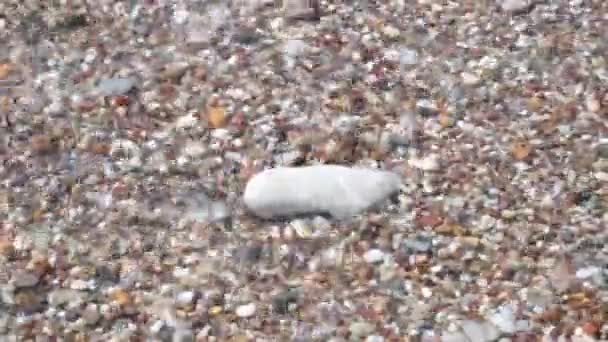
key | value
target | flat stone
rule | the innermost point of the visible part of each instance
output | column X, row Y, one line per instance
column 115, row 86
column 374, row 256
column 246, row 310
column 61, row 297
column 515, row 6
column 24, row 279
column 336, row 190
column 91, row 314
column 360, row 329
column 480, row 330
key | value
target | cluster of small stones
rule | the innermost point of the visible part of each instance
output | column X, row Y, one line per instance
column 130, row 131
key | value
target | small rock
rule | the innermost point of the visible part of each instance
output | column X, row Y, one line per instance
column 295, row 48
column 588, row 272
column 374, row 338
column 426, row 107
column 216, row 116
column 91, row 314
column 218, row 211
column 417, row 245
column 469, row 78
column 21, row 279
column 504, row 319
column 322, row 189
column 480, row 330
column 115, row 86
column 301, row 9
column 361, row 329
column 245, row 311
column 391, row 31
column 207, row 212
column 6, row 247
column 593, row 104
column 79, row 284
column 174, row 71
column 374, row 256
column 184, row 298
column 428, row 163
column 515, row 6
column 280, row 302
column 408, row 57
column 5, row 69
column 61, row 297
column 120, row 296
column 41, row 143
column 194, row 149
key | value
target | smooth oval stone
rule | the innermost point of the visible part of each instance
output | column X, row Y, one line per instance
column 336, row 190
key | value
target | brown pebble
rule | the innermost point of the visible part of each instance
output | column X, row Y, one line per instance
column 101, row 148
column 429, row 220
column 41, row 143
column 121, row 297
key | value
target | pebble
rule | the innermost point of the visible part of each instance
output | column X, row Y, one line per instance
column 469, row 78
column 588, row 272
column 245, row 311
column 295, row 48
column 61, row 297
column 337, row 190
column 515, row 5
column 408, row 57
column 4, row 323
column 185, row 298
column 115, row 86
column 91, row 314
column 428, row 163
column 374, row 256
column 360, row 329
column 23, row 279
column 300, row 9
column 480, row 330
column 391, row 31
column 280, row 302
column 417, row 245
column 504, row 319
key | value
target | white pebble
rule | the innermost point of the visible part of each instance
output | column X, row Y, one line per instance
column 321, row 189
column 469, row 78
column 246, row 310
column 429, row 163
column 514, row 5
column 373, row 256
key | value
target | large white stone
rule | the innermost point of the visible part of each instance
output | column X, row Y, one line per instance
column 339, row 191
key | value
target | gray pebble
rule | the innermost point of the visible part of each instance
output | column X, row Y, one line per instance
column 91, row 314
column 417, row 245
column 361, row 329
column 115, row 86
column 280, row 302
column 480, row 330
column 61, row 297
column 23, row 279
